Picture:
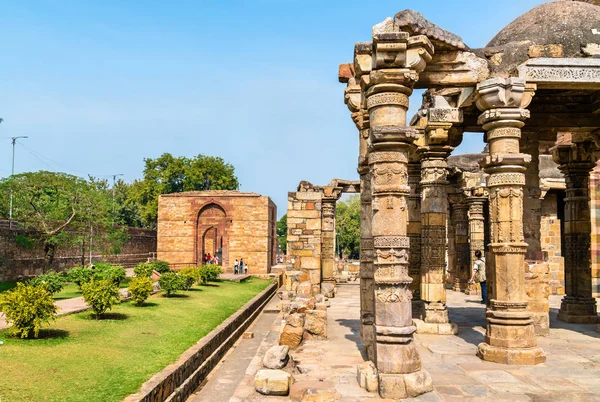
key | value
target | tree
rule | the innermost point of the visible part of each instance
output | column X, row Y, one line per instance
column 282, row 233
column 348, row 226
column 60, row 209
column 168, row 174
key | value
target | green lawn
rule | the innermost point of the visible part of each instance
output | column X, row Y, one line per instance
column 83, row 359
column 71, row 290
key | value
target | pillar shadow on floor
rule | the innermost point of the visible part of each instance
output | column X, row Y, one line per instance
column 584, row 329
column 467, row 318
column 354, row 326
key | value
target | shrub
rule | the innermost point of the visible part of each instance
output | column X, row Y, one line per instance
column 101, row 295
column 187, row 280
column 140, row 288
column 144, row 269
column 27, row 307
column 80, row 275
column 193, row 272
column 51, row 280
column 170, row 282
column 161, row 266
column 114, row 273
column 210, row 273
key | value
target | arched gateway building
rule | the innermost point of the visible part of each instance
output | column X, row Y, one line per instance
column 227, row 224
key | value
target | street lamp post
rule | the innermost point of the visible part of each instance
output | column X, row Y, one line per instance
column 114, row 177
column 10, row 210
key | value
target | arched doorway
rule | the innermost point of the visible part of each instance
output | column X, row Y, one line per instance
column 212, row 233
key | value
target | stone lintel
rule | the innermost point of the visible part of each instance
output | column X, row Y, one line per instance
column 562, row 73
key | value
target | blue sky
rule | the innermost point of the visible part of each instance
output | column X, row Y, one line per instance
column 100, row 85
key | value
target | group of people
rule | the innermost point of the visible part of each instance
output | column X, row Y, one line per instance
column 209, row 259
column 239, row 267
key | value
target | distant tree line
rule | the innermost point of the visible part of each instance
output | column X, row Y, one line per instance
column 62, row 209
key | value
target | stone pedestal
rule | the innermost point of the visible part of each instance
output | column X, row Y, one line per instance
column 576, row 161
column 396, row 62
column 510, row 333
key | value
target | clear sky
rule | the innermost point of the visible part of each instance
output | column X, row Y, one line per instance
column 100, row 85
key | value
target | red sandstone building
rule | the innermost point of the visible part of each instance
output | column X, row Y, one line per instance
column 228, row 224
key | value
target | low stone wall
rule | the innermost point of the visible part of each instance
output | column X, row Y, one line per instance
column 21, row 258
column 178, row 380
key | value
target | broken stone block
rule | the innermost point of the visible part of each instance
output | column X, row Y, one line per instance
column 304, row 288
column 276, row 357
column 315, row 322
column 319, row 298
column 272, row 382
column 367, row 376
column 248, row 335
column 418, row 383
column 298, row 306
column 321, row 306
column 295, row 320
column 328, row 289
column 291, row 336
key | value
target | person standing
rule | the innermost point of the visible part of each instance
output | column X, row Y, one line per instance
column 479, row 274
column 235, row 266
column 241, row 266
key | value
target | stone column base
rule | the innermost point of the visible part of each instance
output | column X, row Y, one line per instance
column 578, row 310
column 460, row 285
column 473, row 289
column 446, row 328
column 400, row 386
column 513, row 356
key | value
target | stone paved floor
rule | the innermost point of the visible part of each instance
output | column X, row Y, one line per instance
column 223, row 379
column 571, row 372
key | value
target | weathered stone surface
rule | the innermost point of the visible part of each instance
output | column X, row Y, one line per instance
column 295, row 320
column 276, row 357
column 316, row 323
column 367, row 376
column 272, row 382
column 291, row 336
column 304, row 288
column 328, row 289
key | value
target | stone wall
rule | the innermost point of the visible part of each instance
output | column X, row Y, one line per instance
column 178, row 380
column 304, row 234
column 22, row 258
column 242, row 225
column 551, row 243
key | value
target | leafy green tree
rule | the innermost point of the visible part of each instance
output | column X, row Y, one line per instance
column 348, row 226
column 168, row 174
column 101, row 295
column 61, row 209
column 282, row 233
column 140, row 288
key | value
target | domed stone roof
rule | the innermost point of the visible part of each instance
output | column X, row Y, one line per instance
column 565, row 26
column 566, row 22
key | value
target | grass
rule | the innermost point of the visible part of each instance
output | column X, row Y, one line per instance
column 71, row 290
column 83, row 359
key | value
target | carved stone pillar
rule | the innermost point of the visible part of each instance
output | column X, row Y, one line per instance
column 414, row 227
column 354, row 99
column 510, row 334
column 328, row 238
column 461, row 244
column 576, row 162
column 434, row 204
column 476, row 201
column 396, row 63
column 532, row 202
